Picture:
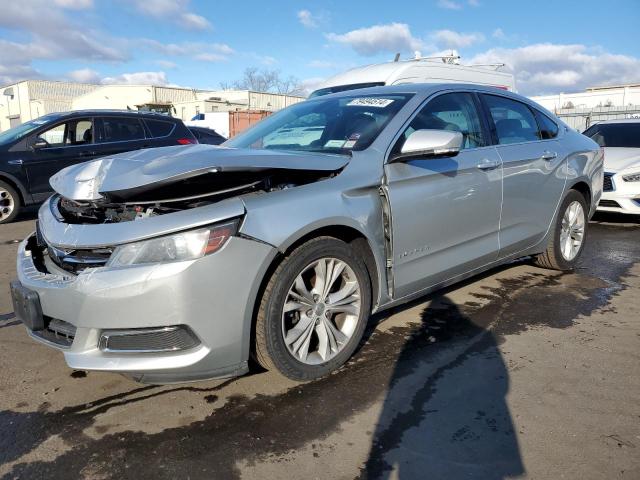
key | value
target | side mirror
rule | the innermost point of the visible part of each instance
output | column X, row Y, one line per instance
column 430, row 143
column 39, row 143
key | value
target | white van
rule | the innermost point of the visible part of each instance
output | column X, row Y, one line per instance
column 417, row 70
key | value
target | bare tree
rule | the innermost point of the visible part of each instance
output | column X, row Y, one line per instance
column 264, row 81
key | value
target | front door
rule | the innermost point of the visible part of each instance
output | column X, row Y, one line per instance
column 55, row 148
column 445, row 211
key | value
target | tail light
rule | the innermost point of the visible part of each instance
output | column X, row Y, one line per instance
column 187, row 141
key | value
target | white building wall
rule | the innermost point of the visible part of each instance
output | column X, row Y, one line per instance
column 592, row 98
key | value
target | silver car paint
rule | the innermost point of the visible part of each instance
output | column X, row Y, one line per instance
column 445, row 223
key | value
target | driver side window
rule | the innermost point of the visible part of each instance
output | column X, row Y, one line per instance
column 452, row 111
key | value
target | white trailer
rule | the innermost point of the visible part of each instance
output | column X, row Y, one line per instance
column 445, row 69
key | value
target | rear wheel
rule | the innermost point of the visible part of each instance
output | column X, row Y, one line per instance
column 9, row 202
column 568, row 235
column 313, row 311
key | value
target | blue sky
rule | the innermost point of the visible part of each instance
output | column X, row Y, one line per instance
column 550, row 46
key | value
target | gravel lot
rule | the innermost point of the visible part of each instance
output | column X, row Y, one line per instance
column 521, row 372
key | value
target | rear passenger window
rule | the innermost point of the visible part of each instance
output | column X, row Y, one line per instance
column 122, row 129
column 548, row 128
column 158, row 128
column 513, row 120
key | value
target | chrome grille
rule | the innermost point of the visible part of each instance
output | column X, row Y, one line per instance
column 77, row 260
column 148, row 340
column 58, row 332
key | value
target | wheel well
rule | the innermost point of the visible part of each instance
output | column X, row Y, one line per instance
column 15, row 186
column 584, row 189
column 351, row 236
column 346, row 234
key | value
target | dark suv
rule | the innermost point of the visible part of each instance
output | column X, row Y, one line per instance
column 30, row 153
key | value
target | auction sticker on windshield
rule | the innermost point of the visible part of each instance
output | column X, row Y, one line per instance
column 370, row 102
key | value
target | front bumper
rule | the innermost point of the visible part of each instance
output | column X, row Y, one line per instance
column 624, row 198
column 214, row 296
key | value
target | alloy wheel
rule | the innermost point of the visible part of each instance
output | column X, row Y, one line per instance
column 572, row 232
column 321, row 311
column 7, row 204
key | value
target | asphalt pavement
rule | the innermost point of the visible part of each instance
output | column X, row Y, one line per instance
column 518, row 373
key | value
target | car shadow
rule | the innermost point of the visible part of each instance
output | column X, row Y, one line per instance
column 448, row 420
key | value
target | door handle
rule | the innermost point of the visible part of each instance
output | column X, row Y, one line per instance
column 17, row 161
column 487, row 164
column 548, row 156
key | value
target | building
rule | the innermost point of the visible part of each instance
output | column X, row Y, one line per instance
column 616, row 96
column 24, row 101
column 582, row 109
column 30, row 99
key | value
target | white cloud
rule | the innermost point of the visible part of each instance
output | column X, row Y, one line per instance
column 74, row 4
column 210, row 57
column 499, row 34
column 451, row 39
column 137, row 78
column 84, row 75
column 449, row 4
column 174, row 10
column 393, row 37
column 474, row 3
column 208, row 52
column 166, row 64
column 321, row 64
column 51, row 37
column 550, row 68
column 306, row 18
column 308, row 85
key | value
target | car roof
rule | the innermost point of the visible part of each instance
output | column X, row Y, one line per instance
column 114, row 112
column 427, row 89
column 618, row 120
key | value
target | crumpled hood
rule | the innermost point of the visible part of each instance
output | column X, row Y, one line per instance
column 617, row 159
column 161, row 166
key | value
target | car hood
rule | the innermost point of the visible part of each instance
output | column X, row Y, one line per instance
column 617, row 159
column 128, row 174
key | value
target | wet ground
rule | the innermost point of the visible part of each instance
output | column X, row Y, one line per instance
column 521, row 372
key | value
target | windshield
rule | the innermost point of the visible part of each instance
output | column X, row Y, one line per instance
column 329, row 125
column 625, row 135
column 25, row 128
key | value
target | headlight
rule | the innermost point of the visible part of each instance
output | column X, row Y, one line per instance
column 187, row 245
column 632, row 177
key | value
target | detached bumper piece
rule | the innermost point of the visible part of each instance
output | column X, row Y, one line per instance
column 148, row 340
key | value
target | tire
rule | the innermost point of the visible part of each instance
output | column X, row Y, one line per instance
column 274, row 348
column 10, row 203
column 555, row 256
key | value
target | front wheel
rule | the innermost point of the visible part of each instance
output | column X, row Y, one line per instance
column 9, row 203
column 568, row 235
column 313, row 311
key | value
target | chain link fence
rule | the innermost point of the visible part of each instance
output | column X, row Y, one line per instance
column 582, row 118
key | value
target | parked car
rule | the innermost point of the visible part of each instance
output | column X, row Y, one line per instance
column 176, row 264
column 33, row 151
column 416, row 70
column 620, row 140
column 207, row 135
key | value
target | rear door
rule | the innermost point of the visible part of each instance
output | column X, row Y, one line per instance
column 533, row 175
column 445, row 211
column 65, row 143
column 120, row 134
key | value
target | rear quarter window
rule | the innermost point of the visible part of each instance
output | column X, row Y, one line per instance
column 159, row 128
column 548, row 128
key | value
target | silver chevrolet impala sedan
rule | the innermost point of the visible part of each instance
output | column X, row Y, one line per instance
column 179, row 263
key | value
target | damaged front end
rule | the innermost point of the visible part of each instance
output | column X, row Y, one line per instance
column 139, row 186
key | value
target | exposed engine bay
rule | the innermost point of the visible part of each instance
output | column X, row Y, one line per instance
column 168, row 197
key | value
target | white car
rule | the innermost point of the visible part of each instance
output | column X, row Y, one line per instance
column 620, row 140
